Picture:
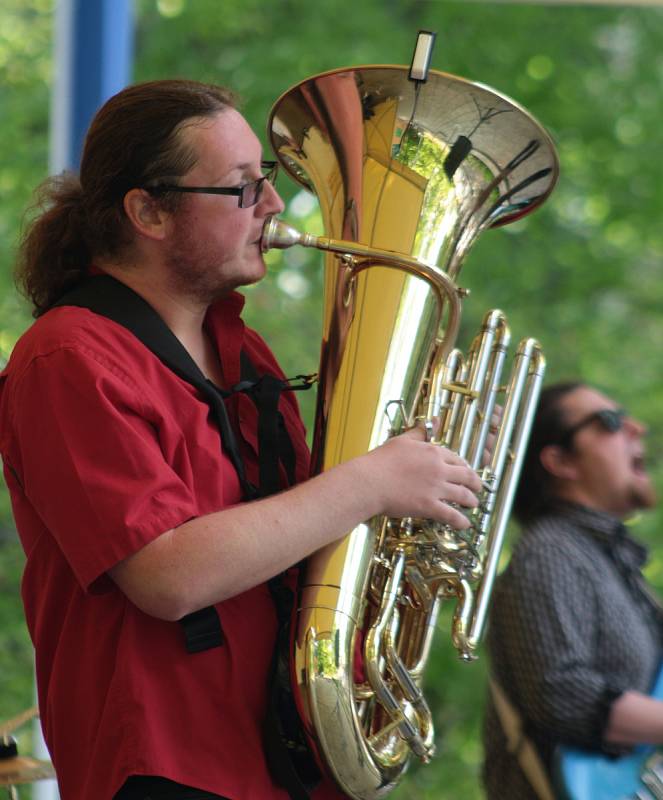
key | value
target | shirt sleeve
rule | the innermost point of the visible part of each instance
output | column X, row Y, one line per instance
column 89, row 458
column 546, row 622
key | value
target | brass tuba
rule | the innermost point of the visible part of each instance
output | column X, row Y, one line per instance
column 407, row 174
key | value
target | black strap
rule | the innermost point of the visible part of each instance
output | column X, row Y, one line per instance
column 288, row 757
column 110, row 298
column 115, row 300
column 274, row 443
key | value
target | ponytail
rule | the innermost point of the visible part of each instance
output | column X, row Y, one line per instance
column 53, row 254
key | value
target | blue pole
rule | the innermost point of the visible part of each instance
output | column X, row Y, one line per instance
column 93, row 57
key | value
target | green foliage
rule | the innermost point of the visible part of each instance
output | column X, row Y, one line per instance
column 581, row 274
column 25, row 73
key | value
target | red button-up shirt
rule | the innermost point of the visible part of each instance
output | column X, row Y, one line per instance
column 104, row 449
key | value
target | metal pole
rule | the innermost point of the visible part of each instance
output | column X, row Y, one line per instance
column 93, row 57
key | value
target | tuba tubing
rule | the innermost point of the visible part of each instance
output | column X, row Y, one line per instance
column 407, row 177
column 462, row 393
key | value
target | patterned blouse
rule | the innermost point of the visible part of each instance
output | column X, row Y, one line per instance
column 572, row 627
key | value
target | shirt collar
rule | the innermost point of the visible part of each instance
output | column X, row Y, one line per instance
column 608, row 530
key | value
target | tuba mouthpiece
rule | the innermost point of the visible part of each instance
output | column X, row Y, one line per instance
column 279, row 235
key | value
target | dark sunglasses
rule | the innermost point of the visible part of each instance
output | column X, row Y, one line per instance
column 248, row 194
column 610, row 419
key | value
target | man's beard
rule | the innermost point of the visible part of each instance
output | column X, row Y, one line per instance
column 644, row 495
column 194, row 270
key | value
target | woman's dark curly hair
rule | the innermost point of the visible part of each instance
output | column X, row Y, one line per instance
column 132, row 141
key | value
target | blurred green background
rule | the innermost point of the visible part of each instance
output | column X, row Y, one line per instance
column 582, row 274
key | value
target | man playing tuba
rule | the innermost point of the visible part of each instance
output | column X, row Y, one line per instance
column 130, row 464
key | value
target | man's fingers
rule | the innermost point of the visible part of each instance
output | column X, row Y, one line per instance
column 453, row 517
column 460, row 495
column 464, row 476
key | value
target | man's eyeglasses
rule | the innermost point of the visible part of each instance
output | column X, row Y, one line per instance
column 610, row 419
column 248, row 194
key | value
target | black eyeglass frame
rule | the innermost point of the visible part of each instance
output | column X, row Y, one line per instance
column 272, row 168
column 611, row 419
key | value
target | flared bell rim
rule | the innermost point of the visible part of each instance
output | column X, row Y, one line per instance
column 547, row 151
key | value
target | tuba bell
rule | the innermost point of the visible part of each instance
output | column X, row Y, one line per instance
column 407, row 173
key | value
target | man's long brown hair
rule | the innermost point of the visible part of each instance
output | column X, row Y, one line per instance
column 133, row 141
column 535, row 494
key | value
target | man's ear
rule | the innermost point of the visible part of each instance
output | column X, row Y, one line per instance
column 145, row 214
column 559, row 462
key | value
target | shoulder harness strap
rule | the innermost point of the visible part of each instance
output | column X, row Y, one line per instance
column 113, row 299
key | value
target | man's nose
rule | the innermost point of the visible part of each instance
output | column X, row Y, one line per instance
column 270, row 201
column 635, row 427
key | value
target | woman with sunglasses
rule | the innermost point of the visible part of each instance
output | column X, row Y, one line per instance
column 575, row 636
